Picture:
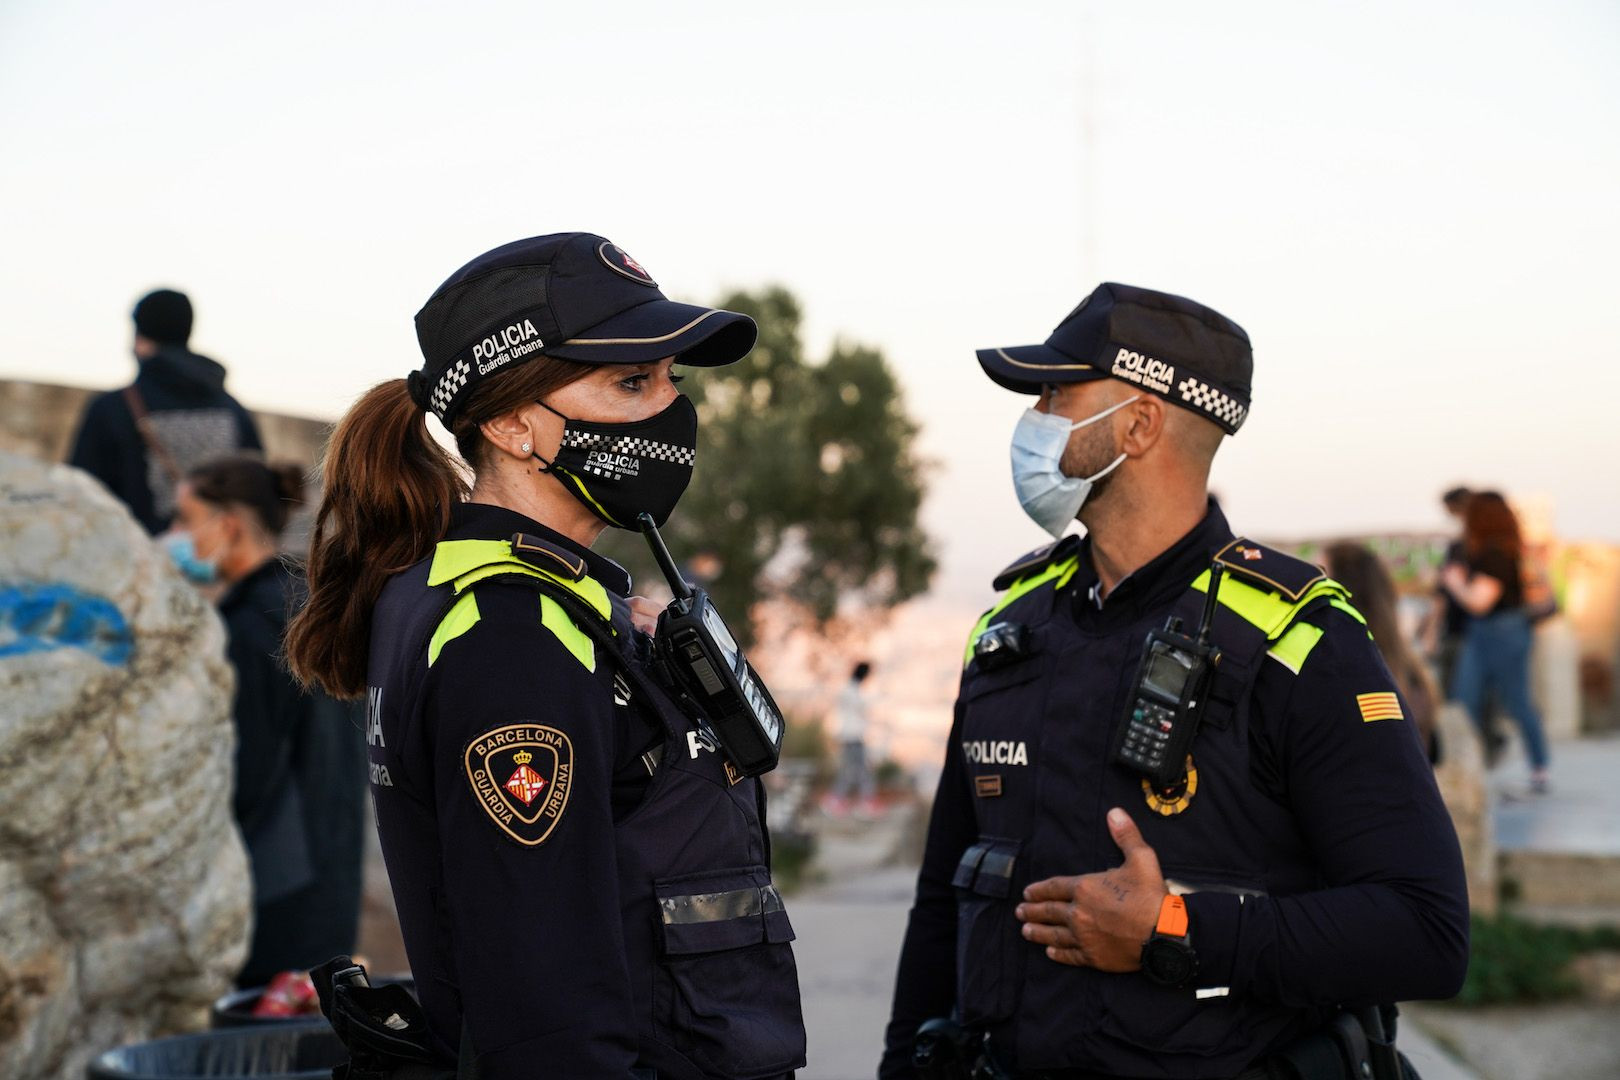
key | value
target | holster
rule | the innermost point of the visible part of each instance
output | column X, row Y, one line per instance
column 946, row 1050
column 383, row 1027
column 1354, row 1045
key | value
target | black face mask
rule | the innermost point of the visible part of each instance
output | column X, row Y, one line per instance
column 621, row 470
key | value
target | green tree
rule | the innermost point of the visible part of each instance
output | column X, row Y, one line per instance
column 807, row 484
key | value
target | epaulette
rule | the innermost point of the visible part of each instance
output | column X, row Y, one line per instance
column 552, row 558
column 1036, row 560
column 1269, row 569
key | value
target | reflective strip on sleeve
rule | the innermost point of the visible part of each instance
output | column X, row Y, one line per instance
column 575, row 640
column 1060, row 572
column 462, row 617
column 1295, row 646
column 718, row 907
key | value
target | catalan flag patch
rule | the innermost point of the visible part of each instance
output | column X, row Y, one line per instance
column 1385, row 706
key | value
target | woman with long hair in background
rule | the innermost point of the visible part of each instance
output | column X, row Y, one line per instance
column 1372, row 591
column 1495, row 655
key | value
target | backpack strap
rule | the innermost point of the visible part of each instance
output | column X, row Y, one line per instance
column 143, row 424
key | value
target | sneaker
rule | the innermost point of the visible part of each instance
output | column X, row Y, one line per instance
column 1539, row 784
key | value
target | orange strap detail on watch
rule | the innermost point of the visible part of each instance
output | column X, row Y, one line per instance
column 1172, row 917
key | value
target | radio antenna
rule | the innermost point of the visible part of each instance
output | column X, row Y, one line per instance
column 666, row 563
column 1210, row 603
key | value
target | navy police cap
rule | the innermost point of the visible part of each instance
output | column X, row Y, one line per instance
column 1184, row 352
column 575, row 296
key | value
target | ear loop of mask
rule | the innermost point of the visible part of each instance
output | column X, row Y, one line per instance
column 548, row 466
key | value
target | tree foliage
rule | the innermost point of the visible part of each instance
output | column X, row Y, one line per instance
column 807, row 485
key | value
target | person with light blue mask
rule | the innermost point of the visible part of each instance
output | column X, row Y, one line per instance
column 1153, row 853
column 299, row 785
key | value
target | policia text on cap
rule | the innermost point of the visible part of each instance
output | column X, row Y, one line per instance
column 580, row 872
column 1088, row 907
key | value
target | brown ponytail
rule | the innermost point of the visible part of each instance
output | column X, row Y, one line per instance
column 389, row 490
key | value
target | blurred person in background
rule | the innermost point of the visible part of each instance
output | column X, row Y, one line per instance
column 852, row 717
column 300, row 757
column 1372, row 590
column 1495, row 656
column 1442, row 631
column 139, row 441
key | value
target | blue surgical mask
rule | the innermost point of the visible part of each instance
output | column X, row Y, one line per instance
column 183, row 550
column 1049, row 497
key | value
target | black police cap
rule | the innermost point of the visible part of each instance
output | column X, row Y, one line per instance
column 1186, row 353
column 576, row 296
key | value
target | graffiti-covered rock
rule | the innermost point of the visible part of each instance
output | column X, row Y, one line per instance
column 124, row 895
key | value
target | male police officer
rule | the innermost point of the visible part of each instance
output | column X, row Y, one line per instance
column 1091, row 922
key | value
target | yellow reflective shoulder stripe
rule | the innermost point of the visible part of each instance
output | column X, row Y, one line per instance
column 1060, row 572
column 1295, row 646
column 462, row 617
column 575, row 640
column 452, row 558
column 1345, row 606
column 1268, row 611
column 467, row 562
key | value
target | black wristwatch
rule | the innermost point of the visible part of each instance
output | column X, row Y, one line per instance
column 1167, row 956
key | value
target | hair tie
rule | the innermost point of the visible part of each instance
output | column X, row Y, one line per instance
column 416, row 386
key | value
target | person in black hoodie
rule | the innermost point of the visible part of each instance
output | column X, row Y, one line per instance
column 139, row 441
column 300, row 757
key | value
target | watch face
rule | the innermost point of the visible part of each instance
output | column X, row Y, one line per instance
column 1169, row 962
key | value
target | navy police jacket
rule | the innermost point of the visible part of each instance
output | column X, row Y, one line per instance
column 581, row 879
column 1320, row 867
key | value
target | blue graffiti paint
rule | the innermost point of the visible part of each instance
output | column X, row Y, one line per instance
column 40, row 618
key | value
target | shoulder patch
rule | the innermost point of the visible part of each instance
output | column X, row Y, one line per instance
column 1269, row 569
column 552, row 558
column 520, row 775
column 1031, row 561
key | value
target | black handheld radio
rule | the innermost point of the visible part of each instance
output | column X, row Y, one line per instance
column 703, row 657
column 1172, row 683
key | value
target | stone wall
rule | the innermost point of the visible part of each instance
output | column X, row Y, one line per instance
column 124, row 888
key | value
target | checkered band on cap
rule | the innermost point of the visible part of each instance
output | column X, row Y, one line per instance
column 630, row 444
column 1215, row 403
column 444, row 391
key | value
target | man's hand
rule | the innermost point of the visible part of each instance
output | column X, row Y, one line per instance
column 1099, row 920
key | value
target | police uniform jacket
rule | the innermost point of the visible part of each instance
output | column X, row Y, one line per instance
column 581, row 879
column 1319, row 865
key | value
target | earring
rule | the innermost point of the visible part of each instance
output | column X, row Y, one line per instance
column 527, row 448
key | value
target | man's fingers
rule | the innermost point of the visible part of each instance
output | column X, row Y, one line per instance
column 1126, row 835
column 1053, row 888
column 1050, row 912
column 1042, row 934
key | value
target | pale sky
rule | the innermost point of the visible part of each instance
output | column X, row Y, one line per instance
column 1414, row 209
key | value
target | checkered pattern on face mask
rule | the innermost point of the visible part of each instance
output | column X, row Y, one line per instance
column 633, row 445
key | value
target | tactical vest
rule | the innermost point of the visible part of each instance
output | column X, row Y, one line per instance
column 705, row 932
column 1037, row 731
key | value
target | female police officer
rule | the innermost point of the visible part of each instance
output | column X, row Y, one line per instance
column 580, row 877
